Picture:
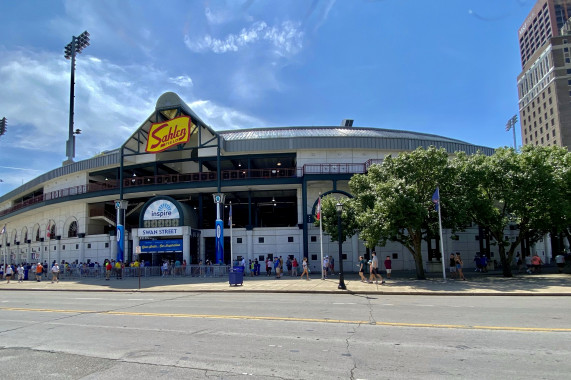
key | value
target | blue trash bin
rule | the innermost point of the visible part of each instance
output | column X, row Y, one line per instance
column 236, row 276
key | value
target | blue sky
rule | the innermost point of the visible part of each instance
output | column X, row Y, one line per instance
column 446, row 67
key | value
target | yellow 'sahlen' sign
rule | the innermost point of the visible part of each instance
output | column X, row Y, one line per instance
column 170, row 133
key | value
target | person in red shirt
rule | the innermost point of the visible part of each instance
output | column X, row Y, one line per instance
column 39, row 270
column 108, row 269
column 388, row 266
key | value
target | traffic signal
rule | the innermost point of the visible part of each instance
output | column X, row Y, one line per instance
column 2, row 126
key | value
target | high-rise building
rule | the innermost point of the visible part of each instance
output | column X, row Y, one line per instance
column 544, row 85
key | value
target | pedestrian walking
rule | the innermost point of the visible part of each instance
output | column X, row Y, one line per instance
column 459, row 265
column 452, row 263
column 362, row 267
column 9, row 272
column 20, row 273
column 39, row 271
column 108, row 269
column 332, row 265
column 374, row 268
column 388, row 266
column 518, row 262
column 294, row 266
column 268, row 267
column 55, row 272
column 305, row 268
column 325, row 266
column 277, row 267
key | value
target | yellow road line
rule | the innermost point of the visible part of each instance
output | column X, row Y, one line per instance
column 317, row 320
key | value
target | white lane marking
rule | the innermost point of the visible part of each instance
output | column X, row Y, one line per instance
column 86, row 298
column 344, row 303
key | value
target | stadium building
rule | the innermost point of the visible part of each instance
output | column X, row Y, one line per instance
column 155, row 195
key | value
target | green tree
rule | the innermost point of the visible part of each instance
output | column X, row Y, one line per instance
column 508, row 188
column 560, row 211
column 349, row 225
column 393, row 200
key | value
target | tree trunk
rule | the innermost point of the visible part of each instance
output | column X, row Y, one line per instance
column 506, row 265
column 417, row 254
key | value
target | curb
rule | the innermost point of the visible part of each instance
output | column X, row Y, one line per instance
column 337, row 292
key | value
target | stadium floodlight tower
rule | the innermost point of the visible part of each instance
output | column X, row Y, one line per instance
column 76, row 46
column 3, row 127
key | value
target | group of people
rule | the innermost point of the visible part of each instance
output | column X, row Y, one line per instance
column 328, row 266
column 11, row 271
column 277, row 264
column 374, row 275
column 481, row 263
column 456, row 267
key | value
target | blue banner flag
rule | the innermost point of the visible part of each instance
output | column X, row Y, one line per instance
column 436, row 198
column 120, row 242
column 219, row 241
column 230, row 216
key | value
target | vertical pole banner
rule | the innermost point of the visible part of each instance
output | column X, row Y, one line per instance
column 120, row 242
column 219, row 241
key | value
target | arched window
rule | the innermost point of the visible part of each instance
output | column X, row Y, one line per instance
column 52, row 231
column 72, row 231
column 38, row 234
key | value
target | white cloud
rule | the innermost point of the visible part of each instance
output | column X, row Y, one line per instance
column 223, row 118
column 286, row 39
column 182, row 81
column 108, row 107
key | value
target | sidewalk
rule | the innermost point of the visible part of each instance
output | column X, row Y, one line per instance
column 489, row 284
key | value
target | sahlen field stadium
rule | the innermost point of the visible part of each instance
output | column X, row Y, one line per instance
column 166, row 193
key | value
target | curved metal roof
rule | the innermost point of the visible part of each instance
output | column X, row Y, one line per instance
column 288, row 138
column 293, row 132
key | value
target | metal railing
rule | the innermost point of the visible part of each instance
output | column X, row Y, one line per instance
column 197, row 271
column 166, row 179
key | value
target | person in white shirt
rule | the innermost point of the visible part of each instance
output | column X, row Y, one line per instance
column 20, row 273
column 9, row 272
column 55, row 272
column 374, row 269
column 325, row 266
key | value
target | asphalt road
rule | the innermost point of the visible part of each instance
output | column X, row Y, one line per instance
column 75, row 335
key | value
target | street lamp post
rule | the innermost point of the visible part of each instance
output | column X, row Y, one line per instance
column 76, row 45
column 341, row 276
